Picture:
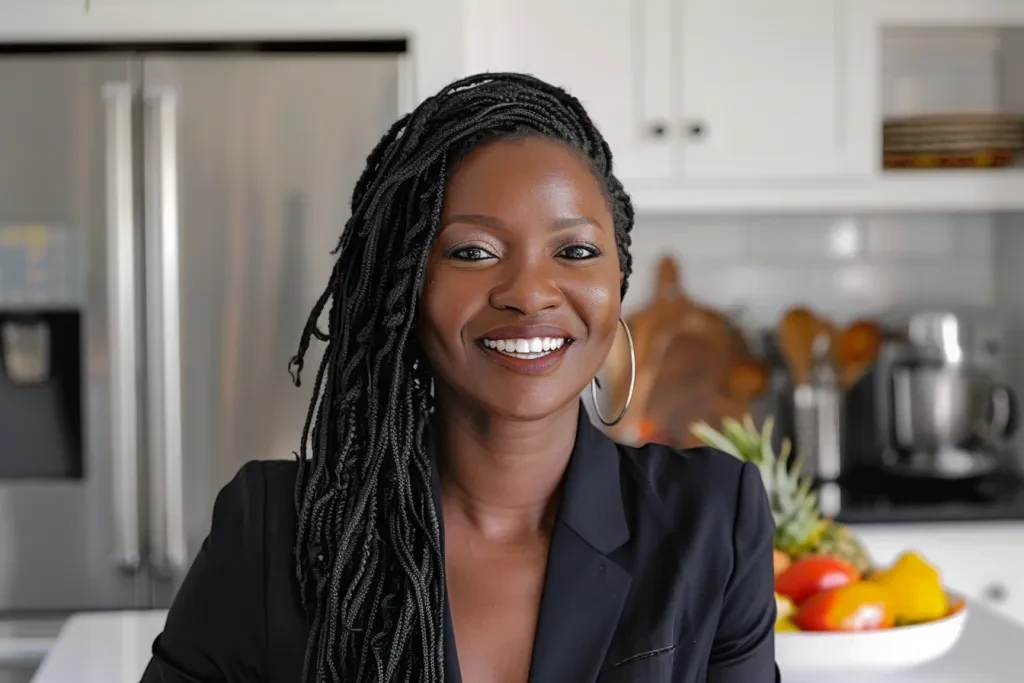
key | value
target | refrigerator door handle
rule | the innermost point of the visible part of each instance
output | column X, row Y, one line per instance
column 118, row 99
column 169, row 552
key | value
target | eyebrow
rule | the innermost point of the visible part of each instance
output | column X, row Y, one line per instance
column 491, row 222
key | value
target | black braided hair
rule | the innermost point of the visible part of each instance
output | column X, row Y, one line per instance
column 368, row 552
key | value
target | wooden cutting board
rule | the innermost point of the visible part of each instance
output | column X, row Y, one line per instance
column 692, row 364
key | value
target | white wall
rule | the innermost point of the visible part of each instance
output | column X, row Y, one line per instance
column 843, row 265
column 1009, row 290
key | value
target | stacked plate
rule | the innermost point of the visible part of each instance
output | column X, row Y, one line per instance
column 952, row 141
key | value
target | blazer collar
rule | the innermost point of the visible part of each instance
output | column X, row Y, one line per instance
column 592, row 497
column 584, row 591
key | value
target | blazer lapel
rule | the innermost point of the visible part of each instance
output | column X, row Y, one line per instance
column 452, row 671
column 584, row 591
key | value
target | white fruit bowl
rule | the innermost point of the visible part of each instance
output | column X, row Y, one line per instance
column 902, row 647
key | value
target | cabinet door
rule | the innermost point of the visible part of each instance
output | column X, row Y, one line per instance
column 40, row 5
column 614, row 55
column 18, row 17
column 763, row 89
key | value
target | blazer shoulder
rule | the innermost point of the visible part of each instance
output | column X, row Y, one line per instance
column 259, row 481
column 256, row 501
column 702, row 464
column 276, row 476
column 682, row 481
column 263, row 494
column 218, row 621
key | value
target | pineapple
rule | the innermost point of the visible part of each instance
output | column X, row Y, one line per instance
column 800, row 529
column 833, row 538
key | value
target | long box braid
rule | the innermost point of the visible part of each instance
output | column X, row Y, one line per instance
column 368, row 553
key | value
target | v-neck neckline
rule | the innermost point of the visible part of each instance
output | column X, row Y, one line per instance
column 584, row 590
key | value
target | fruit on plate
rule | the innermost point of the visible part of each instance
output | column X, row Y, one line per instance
column 915, row 589
column 781, row 561
column 786, row 626
column 858, row 606
column 800, row 529
column 814, row 574
column 832, row 538
column 784, row 611
column 784, row 607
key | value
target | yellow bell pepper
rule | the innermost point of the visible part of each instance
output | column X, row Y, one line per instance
column 785, row 626
column 784, row 608
column 915, row 589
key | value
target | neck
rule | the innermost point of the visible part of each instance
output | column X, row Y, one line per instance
column 503, row 476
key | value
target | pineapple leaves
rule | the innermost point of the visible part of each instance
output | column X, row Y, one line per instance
column 799, row 526
column 793, row 504
column 715, row 439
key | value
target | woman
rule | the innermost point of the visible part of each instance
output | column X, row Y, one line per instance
column 458, row 517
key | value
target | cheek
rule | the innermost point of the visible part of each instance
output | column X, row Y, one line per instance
column 432, row 313
column 601, row 306
column 442, row 315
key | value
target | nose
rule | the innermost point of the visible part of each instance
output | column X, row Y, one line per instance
column 527, row 288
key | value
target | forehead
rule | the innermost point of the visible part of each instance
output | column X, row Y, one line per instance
column 526, row 174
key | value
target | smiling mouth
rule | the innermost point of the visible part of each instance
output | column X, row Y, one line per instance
column 529, row 348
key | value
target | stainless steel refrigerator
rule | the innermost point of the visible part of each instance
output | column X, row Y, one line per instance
column 166, row 222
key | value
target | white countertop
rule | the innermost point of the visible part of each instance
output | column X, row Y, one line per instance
column 103, row 647
column 114, row 647
column 989, row 651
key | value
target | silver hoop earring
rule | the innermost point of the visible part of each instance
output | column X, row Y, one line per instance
column 632, row 382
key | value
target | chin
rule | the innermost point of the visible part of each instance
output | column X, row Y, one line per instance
column 526, row 414
column 526, row 406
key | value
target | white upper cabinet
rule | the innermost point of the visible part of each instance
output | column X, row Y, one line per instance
column 696, row 92
column 614, row 55
column 10, row 9
column 764, row 88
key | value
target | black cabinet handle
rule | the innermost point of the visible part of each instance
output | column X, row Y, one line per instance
column 657, row 130
column 696, row 129
column 995, row 592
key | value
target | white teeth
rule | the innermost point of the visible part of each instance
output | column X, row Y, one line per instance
column 535, row 347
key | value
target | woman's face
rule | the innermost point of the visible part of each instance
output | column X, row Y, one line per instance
column 520, row 303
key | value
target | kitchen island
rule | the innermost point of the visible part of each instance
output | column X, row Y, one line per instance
column 102, row 647
column 113, row 647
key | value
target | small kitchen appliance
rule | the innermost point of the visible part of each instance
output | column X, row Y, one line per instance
column 934, row 407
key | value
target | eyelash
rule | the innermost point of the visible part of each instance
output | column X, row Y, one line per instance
column 591, row 252
column 461, row 253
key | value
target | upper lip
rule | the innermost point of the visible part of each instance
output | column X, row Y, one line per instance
column 527, row 332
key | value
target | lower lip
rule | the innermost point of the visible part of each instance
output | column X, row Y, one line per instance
column 527, row 366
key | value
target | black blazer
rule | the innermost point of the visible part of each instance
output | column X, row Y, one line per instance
column 660, row 570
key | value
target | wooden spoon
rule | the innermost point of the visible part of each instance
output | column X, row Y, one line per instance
column 857, row 350
column 797, row 331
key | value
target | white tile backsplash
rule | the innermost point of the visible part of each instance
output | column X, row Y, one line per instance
column 699, row 239
column 844, row 265
column 804, row 239
column 1009, row 259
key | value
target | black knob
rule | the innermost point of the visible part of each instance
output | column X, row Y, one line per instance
column 695, row 129
column 658, row 130
column 996, row 592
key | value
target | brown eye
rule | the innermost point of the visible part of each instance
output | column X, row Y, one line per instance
column 579, row 252
column 470, row 254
